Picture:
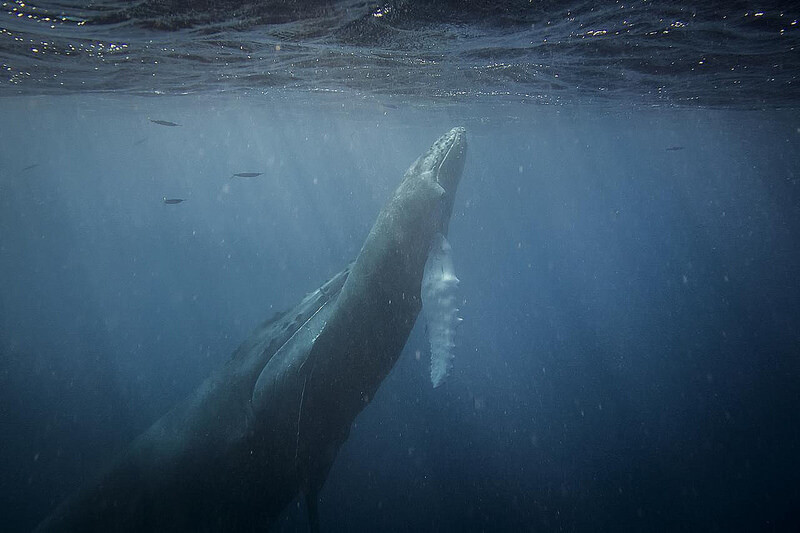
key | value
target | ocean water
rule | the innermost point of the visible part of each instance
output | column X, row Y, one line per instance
column 625, row 234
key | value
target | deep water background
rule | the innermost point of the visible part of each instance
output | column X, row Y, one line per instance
column 629, row 358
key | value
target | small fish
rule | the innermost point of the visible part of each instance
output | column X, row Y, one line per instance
column 173, row 200
column 674, row 148
column 247, row 174
column 163, row 122
column 30, row 167
column 140, row 141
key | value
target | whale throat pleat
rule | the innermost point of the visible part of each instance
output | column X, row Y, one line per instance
column 439, row 297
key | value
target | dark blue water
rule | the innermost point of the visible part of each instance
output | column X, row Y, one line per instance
column 630, row 354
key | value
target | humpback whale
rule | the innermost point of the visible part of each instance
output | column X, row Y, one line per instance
column 267, row 426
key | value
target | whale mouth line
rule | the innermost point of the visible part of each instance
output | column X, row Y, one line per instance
column 457, row 136
column 446, row 155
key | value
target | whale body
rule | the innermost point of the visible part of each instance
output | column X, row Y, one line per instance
column 267, row 426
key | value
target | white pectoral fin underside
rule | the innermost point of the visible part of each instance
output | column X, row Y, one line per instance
column 439, row 298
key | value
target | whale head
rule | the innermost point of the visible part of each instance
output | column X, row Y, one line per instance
column 368, row 324
column 382, row 294
column 442, row 165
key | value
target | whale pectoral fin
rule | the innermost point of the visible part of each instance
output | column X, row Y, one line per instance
column 312, row 479
column 299, row 329
column 439, row 298
column 287, row 364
